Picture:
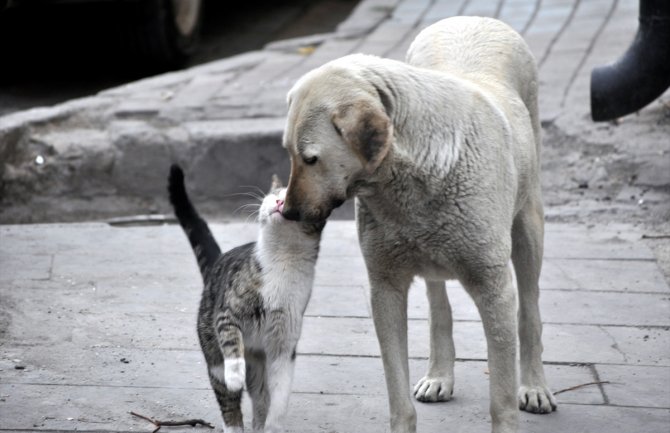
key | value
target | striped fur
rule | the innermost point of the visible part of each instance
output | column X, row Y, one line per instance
column 250, row 315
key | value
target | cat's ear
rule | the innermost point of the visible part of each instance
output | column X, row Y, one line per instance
column 276, row 182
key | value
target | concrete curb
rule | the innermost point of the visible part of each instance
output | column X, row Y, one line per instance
column 108, row 155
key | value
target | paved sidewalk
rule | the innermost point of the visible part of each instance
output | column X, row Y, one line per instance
column 98, row 320
column 108, row 154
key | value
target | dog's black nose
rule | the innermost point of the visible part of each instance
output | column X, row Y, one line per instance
column 291, row 213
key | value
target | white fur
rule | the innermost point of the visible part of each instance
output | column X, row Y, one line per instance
column 218, row 372
column 287, row 258
column 233, row 429
column 235, row 373
column 447, row 186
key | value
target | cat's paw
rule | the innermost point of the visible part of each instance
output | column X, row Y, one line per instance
column 432, row 389
column 234, row 373
column 232, row 429
column 536, row 399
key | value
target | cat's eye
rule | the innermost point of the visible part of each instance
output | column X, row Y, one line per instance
column 310, row 160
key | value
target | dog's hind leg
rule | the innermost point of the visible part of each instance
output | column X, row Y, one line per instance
column 527, row 248
column 495, row 298
column 438, row 383
column 389, row 311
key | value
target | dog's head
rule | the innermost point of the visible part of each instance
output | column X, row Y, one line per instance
column 338, row 133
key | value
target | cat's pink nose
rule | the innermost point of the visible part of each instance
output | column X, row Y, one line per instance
column 280, row 204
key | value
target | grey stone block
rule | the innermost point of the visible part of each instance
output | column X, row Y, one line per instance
column 566, row 307
column 338, row 300
column 565, row 241
column 636, row 386
column 562, row 343
column 442, row 9
column 365, row 376
column 610, row 275
column 410, row 11
column 365, row 17
column 143, row 154
column 24, row 267
column 480, row 8
column 233, row 154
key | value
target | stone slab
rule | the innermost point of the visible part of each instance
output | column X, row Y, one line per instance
column 638, row 386
column 566, row 307
column 25, row 267
column 83, row 408
column 562, row 343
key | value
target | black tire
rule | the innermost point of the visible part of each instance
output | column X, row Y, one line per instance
column 159, row 36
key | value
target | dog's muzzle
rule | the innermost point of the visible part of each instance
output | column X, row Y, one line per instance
column 291, row 213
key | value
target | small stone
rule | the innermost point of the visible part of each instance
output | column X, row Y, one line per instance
column 19, row 367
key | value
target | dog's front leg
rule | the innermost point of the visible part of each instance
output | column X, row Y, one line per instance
column 495, row 298
column 438, row 383
column 389, row 311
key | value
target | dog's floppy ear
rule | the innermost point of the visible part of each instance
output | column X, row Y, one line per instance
column 367, row 129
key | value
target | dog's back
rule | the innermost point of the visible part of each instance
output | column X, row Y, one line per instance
column 483, row 50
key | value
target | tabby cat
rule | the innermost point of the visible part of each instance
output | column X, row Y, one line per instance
column 252, row 306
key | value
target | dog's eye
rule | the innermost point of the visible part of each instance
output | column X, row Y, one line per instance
column 310, row 160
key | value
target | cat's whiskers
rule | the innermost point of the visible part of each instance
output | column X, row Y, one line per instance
column 255, row 188
column 255, row 207
column 247, row 194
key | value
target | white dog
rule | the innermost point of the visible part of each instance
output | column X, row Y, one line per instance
column 442, row 153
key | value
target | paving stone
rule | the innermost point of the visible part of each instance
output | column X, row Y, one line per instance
column 578, row 36
column 25, row 267
column 198, row 91
column 578, row 241
column 481, row 8
column 410, row 12
column 631, row 275
column 567, row 307
column 330, row 50
column 636, row 386
column 516, row 15
column 338, row 300
column 366, row 16
column 67, row 408
column 76, row 299
column 441, row 9
column 69, row 365
column 122, row 367
column 365, row 376
column 70, row 408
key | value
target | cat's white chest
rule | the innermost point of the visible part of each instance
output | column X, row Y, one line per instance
column 287, row 289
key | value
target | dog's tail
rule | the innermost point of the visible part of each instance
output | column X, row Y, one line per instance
column 204, row 245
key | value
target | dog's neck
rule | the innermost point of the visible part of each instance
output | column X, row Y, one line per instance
column 425, row 164
column 440, row 152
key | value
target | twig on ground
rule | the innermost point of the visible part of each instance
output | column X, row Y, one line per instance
column 644, row 236
column 572, row 388
column 159, row 424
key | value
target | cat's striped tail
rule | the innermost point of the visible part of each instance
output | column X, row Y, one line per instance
column 204, row 245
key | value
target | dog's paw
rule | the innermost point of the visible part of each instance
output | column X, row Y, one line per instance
column 432, row 389
column 234, row 373
column 536, row 399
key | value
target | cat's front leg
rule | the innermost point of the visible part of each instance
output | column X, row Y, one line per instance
column 257, row 388
column 280, row 377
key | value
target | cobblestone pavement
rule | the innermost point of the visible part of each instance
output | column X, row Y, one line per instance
column 97, row 319
column 107, row 155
